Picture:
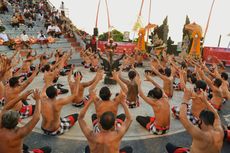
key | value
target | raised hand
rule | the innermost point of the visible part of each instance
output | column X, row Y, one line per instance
column 115, row 75
column 36, row 95
column 138, row 80
column 26, row 94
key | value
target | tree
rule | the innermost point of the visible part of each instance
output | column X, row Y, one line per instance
column 115, row 34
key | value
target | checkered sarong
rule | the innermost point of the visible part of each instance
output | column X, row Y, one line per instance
column 133, row 104
column 82, row 103
column 26, row 111
column 65, row 125
column 157, row 131
column 193, row 119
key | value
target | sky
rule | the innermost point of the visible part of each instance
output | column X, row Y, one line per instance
column 124, row 13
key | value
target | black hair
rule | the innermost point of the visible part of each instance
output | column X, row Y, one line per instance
column 107, row 120
column 46, row 67
column 132, row 75
column 14, row 81
column 193, row 79
column 224, row 75
column 155, row 93
column 207, row 116
column 105, row 93
column 200, row 84
column 217, row 82
column 51, row 92
column 183, row 65
column 10, row 119
column 168, row 72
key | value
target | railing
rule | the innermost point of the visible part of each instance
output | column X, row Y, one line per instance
column 78, row 38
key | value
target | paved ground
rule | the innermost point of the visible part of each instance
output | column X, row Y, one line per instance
column 137, row 137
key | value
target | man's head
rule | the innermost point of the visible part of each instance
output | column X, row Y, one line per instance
column 217, row 82
column 107, row 120
column 155, row 93
column 168, row 72
column 207, row 118
column 105, row 93
column 10, row 119
column 14, row 81
column 224, row 76
column 132, row 75
column 46, row 68
column 51, row 92
column 183, row 65
column 24, row 32
column 200, row 85
column 77, row 74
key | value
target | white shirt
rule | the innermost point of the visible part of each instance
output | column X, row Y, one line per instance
column 4, row 37
column 57, row 29
column 51, row 28
column 24, row 37
column 41, row 36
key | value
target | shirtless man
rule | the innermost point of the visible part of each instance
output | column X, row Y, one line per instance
column 14, row 89
column 132, row 94
column 80, row 100
column 160, row 105
column 216, row 100
column 94, row 63
column 15, row 135
column 109, row 139
column 167, row 80
column 139, row 59
column 104, row 103
column 208, row 137
column 197, row 105
column 52, row 123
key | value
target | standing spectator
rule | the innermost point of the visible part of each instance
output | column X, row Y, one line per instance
column 42, row 39
column 25, row 40
column 51, row 30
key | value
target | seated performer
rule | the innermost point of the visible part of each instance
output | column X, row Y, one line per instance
column 160, row 104
column 167, row 80
column 109, row 139
column 217, row 99
column 80, row 100
column 104, row 103
column 208, row 137
column 138, row 59
column 132, row 94
column 52, row 123
column 14, row 89
column 15, row 135
column 94, row 63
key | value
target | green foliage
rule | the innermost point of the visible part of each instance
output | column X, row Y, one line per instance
column 115, row 34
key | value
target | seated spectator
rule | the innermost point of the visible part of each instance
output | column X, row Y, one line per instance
column 25, row 40
column 3, row 7
column 30, row 23
column 14, row 21
column 58, row 32
column 7, row 41
column 51, row 30
column 42, row 39
column 47, row 23
column 21, row 19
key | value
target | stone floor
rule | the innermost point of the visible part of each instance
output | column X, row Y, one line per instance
column 141, row 140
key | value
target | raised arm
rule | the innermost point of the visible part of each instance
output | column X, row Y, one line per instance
column 194, row 131
column 206, row 79
column 141, row 93
column 121, row 83
column 148, row 78
column 27, row 82
column 25, row 130
column 125, row 126
column 87, row 131
column 158, row 73
column 13, row 102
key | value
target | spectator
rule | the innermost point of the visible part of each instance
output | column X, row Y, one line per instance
column 21, row 19
column 25, row 40
column 51, row 30
column 3, row 7
column 42, row 39
column 30, row 23
column 57, row 31
column 14, row 21
column 7, row 41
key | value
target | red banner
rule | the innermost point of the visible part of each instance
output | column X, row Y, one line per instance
column 129, row 47
column 222, row 54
